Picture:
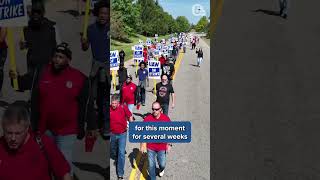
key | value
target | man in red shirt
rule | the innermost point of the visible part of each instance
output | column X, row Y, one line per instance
column 60, row 102
column 118, row 126
column 129, row 93
column 24, row 155
column 145, row 54
column 154, row 150
column 162, row 60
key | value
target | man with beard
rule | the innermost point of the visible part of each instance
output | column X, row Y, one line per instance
column 164, row 90
column 98, row 39
column 25, row 155
column 60, row 102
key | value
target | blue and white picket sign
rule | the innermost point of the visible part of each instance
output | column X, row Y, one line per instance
column 13, row 13
column 165, row 47
column 148, row 42
column 165, row 50
column 138, row 51
column 114, row 60
column 154, row 69
column 159, row 46
column 137, row 54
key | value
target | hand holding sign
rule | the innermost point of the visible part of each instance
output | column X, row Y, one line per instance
column 86, row 19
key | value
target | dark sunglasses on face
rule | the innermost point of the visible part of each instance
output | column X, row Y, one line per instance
column 154, row 109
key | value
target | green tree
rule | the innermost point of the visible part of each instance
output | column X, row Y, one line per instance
column 183, row 24
column 130, row 14
column 202, row 24
column 117, row 27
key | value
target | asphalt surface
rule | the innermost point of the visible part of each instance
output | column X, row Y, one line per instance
column 266, row 92
column 87, row 166
column 190, row 161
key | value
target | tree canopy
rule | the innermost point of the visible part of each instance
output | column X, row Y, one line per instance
column 145, row 17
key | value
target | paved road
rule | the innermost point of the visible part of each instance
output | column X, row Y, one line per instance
column 87, row 165
column 266, row 92
column 191, row 85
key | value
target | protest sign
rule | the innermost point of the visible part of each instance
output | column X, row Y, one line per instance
column 153, row 69
column 148, row 42
column 114, row 60
column 13, row 13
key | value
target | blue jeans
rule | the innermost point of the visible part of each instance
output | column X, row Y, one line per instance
column 142, row 95
column 199, row 60
column 165, row 108
column 161, row 158
column 283, row 7
column 130, row 107
column 65, row 144
column 118, row 149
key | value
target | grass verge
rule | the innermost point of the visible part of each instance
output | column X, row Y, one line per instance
column 116, row 45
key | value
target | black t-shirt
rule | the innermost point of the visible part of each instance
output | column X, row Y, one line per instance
column 168, row 69
column 122, row 75
column 163, row 93
column 121, row 54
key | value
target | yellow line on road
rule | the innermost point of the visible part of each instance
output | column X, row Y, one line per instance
column 177, row 65
column 134, row 170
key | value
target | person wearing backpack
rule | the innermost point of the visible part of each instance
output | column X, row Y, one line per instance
column 119, row 117
column 26, row 155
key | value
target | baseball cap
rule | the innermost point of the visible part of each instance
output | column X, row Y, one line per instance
column 64, row 49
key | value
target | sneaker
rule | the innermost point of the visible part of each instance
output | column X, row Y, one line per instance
column 120, row 177
column 284, row 16
column 161, row 173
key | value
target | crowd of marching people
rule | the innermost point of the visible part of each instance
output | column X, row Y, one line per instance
column 134, row 95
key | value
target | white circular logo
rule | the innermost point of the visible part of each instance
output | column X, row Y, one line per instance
column 69, row 84
column 198, row 10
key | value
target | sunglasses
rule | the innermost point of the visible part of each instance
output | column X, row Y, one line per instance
column 154, row 109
